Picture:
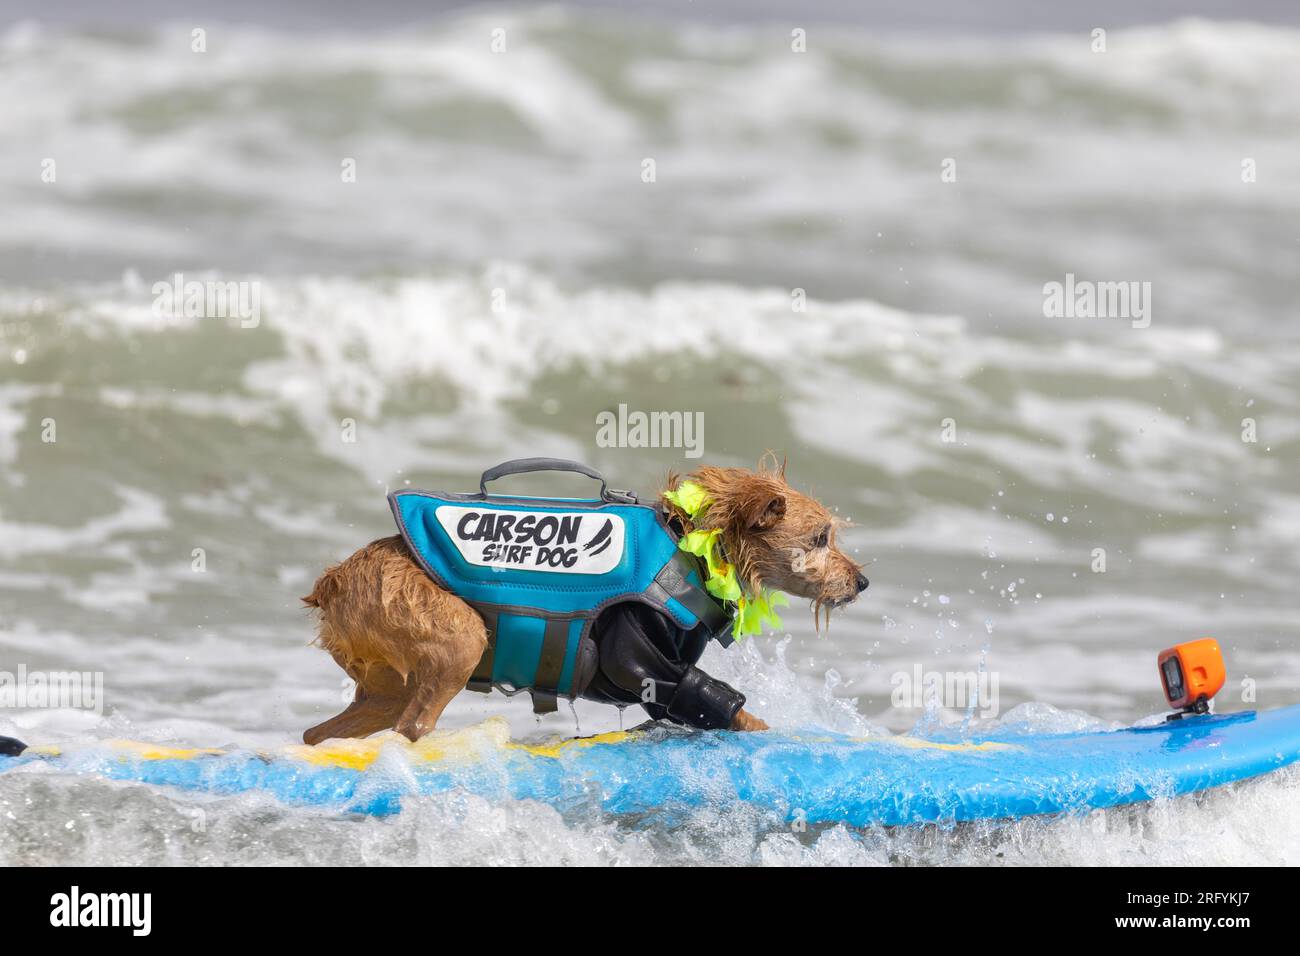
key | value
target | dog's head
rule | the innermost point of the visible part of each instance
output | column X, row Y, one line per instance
column 777, row 537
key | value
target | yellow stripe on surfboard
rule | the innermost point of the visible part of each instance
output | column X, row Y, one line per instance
column 916, row 743
column 467, row 744
column 474, row 743
column 136, row 748
column 560, row 744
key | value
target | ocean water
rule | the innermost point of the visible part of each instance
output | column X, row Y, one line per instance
column 499, row 273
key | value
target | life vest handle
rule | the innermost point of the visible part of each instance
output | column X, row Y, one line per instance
column 519, row 466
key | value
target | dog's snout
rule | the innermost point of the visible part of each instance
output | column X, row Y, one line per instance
column 862, row 582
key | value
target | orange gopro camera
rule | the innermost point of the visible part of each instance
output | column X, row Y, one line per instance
column 1192, row 674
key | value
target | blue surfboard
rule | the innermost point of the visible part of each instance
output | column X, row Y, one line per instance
column 813, row 776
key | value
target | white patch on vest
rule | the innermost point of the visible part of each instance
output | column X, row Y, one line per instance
column 568, row 542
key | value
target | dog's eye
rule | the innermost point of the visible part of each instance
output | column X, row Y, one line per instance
column 823, row 538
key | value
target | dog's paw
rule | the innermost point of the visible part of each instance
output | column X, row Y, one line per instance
column 747, row 721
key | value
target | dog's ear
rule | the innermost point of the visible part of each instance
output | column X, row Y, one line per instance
column 763, row 511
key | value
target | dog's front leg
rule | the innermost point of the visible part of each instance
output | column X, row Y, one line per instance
column 744, row 720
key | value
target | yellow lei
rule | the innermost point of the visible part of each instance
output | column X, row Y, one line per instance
column 752, row 612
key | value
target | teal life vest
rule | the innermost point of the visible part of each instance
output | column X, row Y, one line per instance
column 540, row 571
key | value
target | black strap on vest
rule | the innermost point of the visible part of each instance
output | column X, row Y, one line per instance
column 555, row 642
column 549, row 667
column 695, row 599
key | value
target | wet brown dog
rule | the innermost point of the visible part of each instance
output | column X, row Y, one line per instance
column 412, row 646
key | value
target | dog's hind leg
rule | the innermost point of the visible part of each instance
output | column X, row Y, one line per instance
column 440, row 674
column 380, row 698
column 410, row 645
